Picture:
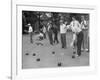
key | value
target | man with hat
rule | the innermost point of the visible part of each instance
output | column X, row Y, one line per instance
column 30, row 32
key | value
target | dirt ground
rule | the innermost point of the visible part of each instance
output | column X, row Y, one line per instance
column 48, row 56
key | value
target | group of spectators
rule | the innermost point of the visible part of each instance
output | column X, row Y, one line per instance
column 79, row 30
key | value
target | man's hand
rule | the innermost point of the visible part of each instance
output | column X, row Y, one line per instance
column 25, row 31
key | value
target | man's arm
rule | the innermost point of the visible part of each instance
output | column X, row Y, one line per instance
column 84, row 23
column 79, row 25
column 69, row 26
column 87, row 24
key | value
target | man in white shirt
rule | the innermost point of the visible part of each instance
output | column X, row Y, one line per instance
column 30, row 32
column 63, row 33
column 77, row 34
column 44, row 31
column 84, row 27
column 74, row 26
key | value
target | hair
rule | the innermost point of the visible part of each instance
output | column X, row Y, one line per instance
column 74, row 17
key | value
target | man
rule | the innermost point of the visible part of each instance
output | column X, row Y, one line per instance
column 44, row 31
column 30, row 32
column 63, row 33
column 39, row 36
column 77, row 34
column 55, row 31
column 84, row 27
column 50, row 32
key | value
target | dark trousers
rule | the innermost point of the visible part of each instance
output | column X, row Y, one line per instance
column 85, row 39
column 44, row 35
column 79, row 42
column 88, row 44
column 31, row 39
column 56, row 37
column 50, row 37
column 63, row 40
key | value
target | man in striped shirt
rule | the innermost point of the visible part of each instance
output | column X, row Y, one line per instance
column 77, row 34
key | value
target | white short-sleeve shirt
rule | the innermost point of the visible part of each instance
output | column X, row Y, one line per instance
column 63, row 28
column 44, row 29
column 30, row 29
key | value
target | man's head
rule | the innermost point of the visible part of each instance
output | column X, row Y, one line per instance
column 50, row 22
column 61, row 21
column 73, row 18
column 66, row 22
column 82, row 18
